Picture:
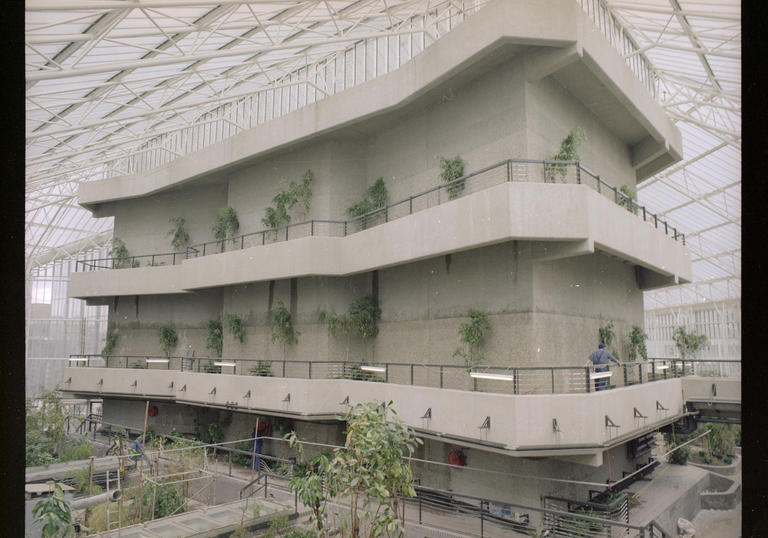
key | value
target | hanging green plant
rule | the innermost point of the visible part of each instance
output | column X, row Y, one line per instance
column 110, row 341
column 376, row 197
column 338, row 325
column 364, row 314
column 168, row 339
column 262, row 369
column 179, row 236
column 236, row 326
column 226, row 225
column 282, row 327
column 471, row 336
column 637, row 347
column 568, row 152
column 285, row 200
column 214, row 340
column 450, row 170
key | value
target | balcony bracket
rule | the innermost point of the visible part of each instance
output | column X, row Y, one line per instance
column 345, row 401
column 213, row 391
column 247, row 394
column 660, row 407
column 609, row 423
column 287, row 397
column 556, row 426
column 486, row 425
column 428, row 414
column 638, row 414
column 183, row 389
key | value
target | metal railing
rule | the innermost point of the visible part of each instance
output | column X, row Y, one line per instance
column 519, row 380
column 510, row 170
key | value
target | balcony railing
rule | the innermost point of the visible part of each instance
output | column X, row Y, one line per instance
column 520, row 380
column 510, row 170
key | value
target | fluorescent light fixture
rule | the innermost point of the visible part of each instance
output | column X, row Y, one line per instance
column 164, row 361
column 79, row 360
column 497, row 377
column 220, row 363
column 662, row 367
column 600, row 375
column 380, row 369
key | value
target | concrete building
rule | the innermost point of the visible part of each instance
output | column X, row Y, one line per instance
column 548, row 261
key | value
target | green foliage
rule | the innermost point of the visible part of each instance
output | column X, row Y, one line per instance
column 81, row 450
column 139, row 366
column 376, row 197
column 210, row 368
column 226, row 224
column 45, row 429
column 689, row 344
column 338, row 324
column 681, row 455
column 120, row 254
column 451, row 169
column 236, row 326
column 262, row 368
column 629, row 195
column 371, row 469
column 179, row 236
column 364, row 314
column 568, row 152
column 55, row 514
column 282, row 327
column 280, row 527
column 110, row 341
column 722, row 440
column 82, row 479
column 358, row 374
column 607, row 337
column 471, row 336
column 214, row 340
column 168, row 500
column 168, row 339
column 637, row 347
column 309, row 480
column 297, row 194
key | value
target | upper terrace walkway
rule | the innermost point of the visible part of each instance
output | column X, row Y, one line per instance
column 508, row 171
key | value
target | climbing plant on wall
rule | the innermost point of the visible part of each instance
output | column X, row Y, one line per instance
column 178, row 234
column 227, row 225
column 451, row 169
column 471, row 336
column 375, row 197
column 296, row 194
column 568, row 152
column 282, row 327
column 637, row 347
column 214, row 339
column 236, row 326
column 628, row 199
column 364, row 315
column 338, row 325
column 168, row 339
column 110, row 341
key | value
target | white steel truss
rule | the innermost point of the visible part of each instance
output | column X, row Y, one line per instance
column 117, row 87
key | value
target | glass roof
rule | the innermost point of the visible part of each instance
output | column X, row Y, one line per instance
column 119, row 86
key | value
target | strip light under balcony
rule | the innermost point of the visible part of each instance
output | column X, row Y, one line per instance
column 662, row 367
column 600, row 375
column 497, row 377
column 379, row 369
column 220, row 363
column 150, row 361
column 78, row 360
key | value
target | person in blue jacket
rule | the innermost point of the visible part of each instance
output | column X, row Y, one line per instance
column 599, row 359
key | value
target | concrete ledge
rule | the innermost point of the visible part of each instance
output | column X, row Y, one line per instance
column 575, row 218
column 726, row 496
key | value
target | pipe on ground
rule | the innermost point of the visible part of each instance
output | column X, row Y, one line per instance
column 113, row 495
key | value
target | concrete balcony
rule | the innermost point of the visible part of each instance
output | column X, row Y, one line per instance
column 559, row 39
column 564, row 220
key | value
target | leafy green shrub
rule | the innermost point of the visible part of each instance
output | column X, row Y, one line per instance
column 637, row 346
column 629, row 199
column 227, row 225
column 168, row 339
column 210, row 368
column 81, row 450
column 168, row 500
column 263, row 369
column 568, row 152
column 282, row 327
column 214, row 339
column 375, row 197
column 471, row 336
column 285, row 200
column 179, row 236
column 120, row 254
column 81, row 478
column 236, row 326
column 689, row 344
column 110, row 341
column 451, row 169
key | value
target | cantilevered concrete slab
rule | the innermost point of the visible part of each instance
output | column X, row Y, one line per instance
column 559, row 40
